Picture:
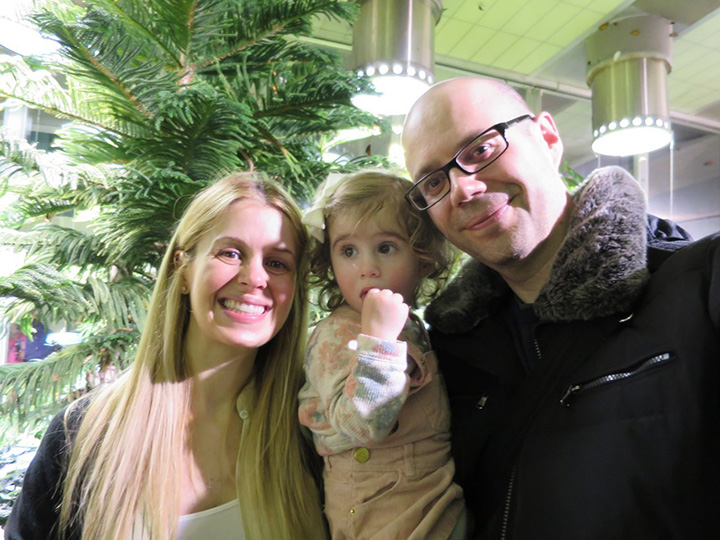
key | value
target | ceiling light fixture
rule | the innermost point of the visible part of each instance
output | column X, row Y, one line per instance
column 627, row 65
column 393, row 45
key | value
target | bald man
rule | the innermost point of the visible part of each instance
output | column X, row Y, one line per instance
column 580, row 343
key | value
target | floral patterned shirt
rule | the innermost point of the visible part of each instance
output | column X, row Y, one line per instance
column 357, row 384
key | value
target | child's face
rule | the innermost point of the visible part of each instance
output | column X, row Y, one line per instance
column 375, row 253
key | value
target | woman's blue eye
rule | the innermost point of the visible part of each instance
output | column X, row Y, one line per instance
column 386, row 249
column 229, row 255
column 277, row 265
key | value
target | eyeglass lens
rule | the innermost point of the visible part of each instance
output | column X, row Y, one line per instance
column 477, row 155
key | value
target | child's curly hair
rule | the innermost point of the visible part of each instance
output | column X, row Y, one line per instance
column 363, row 194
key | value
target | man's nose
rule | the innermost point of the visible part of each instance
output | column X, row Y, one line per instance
column 464, row 187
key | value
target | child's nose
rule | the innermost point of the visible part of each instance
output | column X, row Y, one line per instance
column 369, row 267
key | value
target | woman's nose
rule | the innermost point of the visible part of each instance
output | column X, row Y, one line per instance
column 253, row 274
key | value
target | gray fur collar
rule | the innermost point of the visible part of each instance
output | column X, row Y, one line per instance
column 600, row 268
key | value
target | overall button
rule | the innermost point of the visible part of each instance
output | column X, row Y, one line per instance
column 361, row 454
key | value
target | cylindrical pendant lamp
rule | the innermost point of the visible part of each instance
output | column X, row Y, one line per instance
column 627, row 65
column 393, row 45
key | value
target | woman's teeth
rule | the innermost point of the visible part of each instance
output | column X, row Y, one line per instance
column 242, row 307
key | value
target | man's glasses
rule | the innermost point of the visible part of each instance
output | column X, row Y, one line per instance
column 476, row 155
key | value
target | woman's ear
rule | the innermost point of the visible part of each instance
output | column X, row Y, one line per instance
column 178, row 265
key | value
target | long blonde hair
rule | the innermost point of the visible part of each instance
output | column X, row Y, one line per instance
column 125, row 459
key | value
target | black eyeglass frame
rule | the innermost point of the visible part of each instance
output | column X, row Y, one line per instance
column 500, row 127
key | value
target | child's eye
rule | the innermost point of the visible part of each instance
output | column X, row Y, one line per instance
column 229, row 255
column 386, row 249
column 348, row 251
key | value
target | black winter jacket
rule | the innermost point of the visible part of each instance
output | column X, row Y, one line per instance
column 615, row 432
column 36, row 511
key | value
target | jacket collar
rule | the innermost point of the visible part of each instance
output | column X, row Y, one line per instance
column 600, row 268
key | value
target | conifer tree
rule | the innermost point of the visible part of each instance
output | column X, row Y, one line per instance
column 161, row 97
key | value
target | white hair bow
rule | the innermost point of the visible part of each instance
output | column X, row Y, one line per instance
column 314, row 217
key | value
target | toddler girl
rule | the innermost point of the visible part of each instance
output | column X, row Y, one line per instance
column 374, row 399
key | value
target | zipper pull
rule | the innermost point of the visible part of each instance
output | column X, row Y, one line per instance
column 574, row 389
column 480, row 405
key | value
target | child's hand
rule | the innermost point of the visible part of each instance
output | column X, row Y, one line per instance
column 383, row 314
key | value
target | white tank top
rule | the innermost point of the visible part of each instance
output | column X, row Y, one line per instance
column 220, row 523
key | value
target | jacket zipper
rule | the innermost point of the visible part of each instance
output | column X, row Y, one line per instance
column 572, row 392
column 508, row 499
column 511, row 483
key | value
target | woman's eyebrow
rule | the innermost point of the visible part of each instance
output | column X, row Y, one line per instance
column 234, row 240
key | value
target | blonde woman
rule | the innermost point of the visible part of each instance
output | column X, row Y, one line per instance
column 200, row 438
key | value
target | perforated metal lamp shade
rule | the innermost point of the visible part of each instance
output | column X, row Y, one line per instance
column 393, row 45
column 628, row 62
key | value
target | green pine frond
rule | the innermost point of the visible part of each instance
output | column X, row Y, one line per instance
column 119, row 71
column 39, row 289
column 60, row 246
column 33, row 207
column 32, row 392
column 199, row 131
column 155, row 23
column 41, row 90
column 140, row 222
column 18, row 159
column 122, row 303
column 29, row 385
column 242, row 24
column 29, row 170
column 47, row 184
column 299, row 87
column 162, row 97
column 89, row 144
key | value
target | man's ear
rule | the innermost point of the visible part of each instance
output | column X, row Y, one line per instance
column 550, row 135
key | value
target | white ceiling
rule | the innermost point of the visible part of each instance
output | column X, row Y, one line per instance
column 538, row 44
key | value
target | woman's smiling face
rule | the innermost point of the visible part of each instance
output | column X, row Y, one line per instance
column 241, row 280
